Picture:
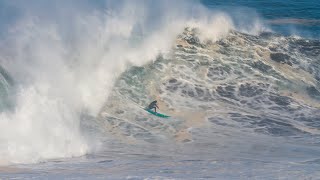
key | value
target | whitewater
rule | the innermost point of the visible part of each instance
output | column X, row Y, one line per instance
column 241, row 88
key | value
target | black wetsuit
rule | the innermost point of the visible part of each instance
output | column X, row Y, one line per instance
column 153, row 105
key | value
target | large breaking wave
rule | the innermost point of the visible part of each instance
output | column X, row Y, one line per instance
column 80, row 66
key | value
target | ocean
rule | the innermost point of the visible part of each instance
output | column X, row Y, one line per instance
column 239, row 80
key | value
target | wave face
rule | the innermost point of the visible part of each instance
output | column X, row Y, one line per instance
column 74, row 81
column 246, row 99
column 265, row 84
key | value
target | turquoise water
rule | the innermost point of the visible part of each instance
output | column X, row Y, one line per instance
column 305, row 13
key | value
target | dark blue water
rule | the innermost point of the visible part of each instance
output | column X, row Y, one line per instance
column 288, row 17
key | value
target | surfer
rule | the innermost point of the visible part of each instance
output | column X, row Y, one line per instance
column 153, row 105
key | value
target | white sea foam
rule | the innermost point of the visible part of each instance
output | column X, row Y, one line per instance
column 65, row 57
